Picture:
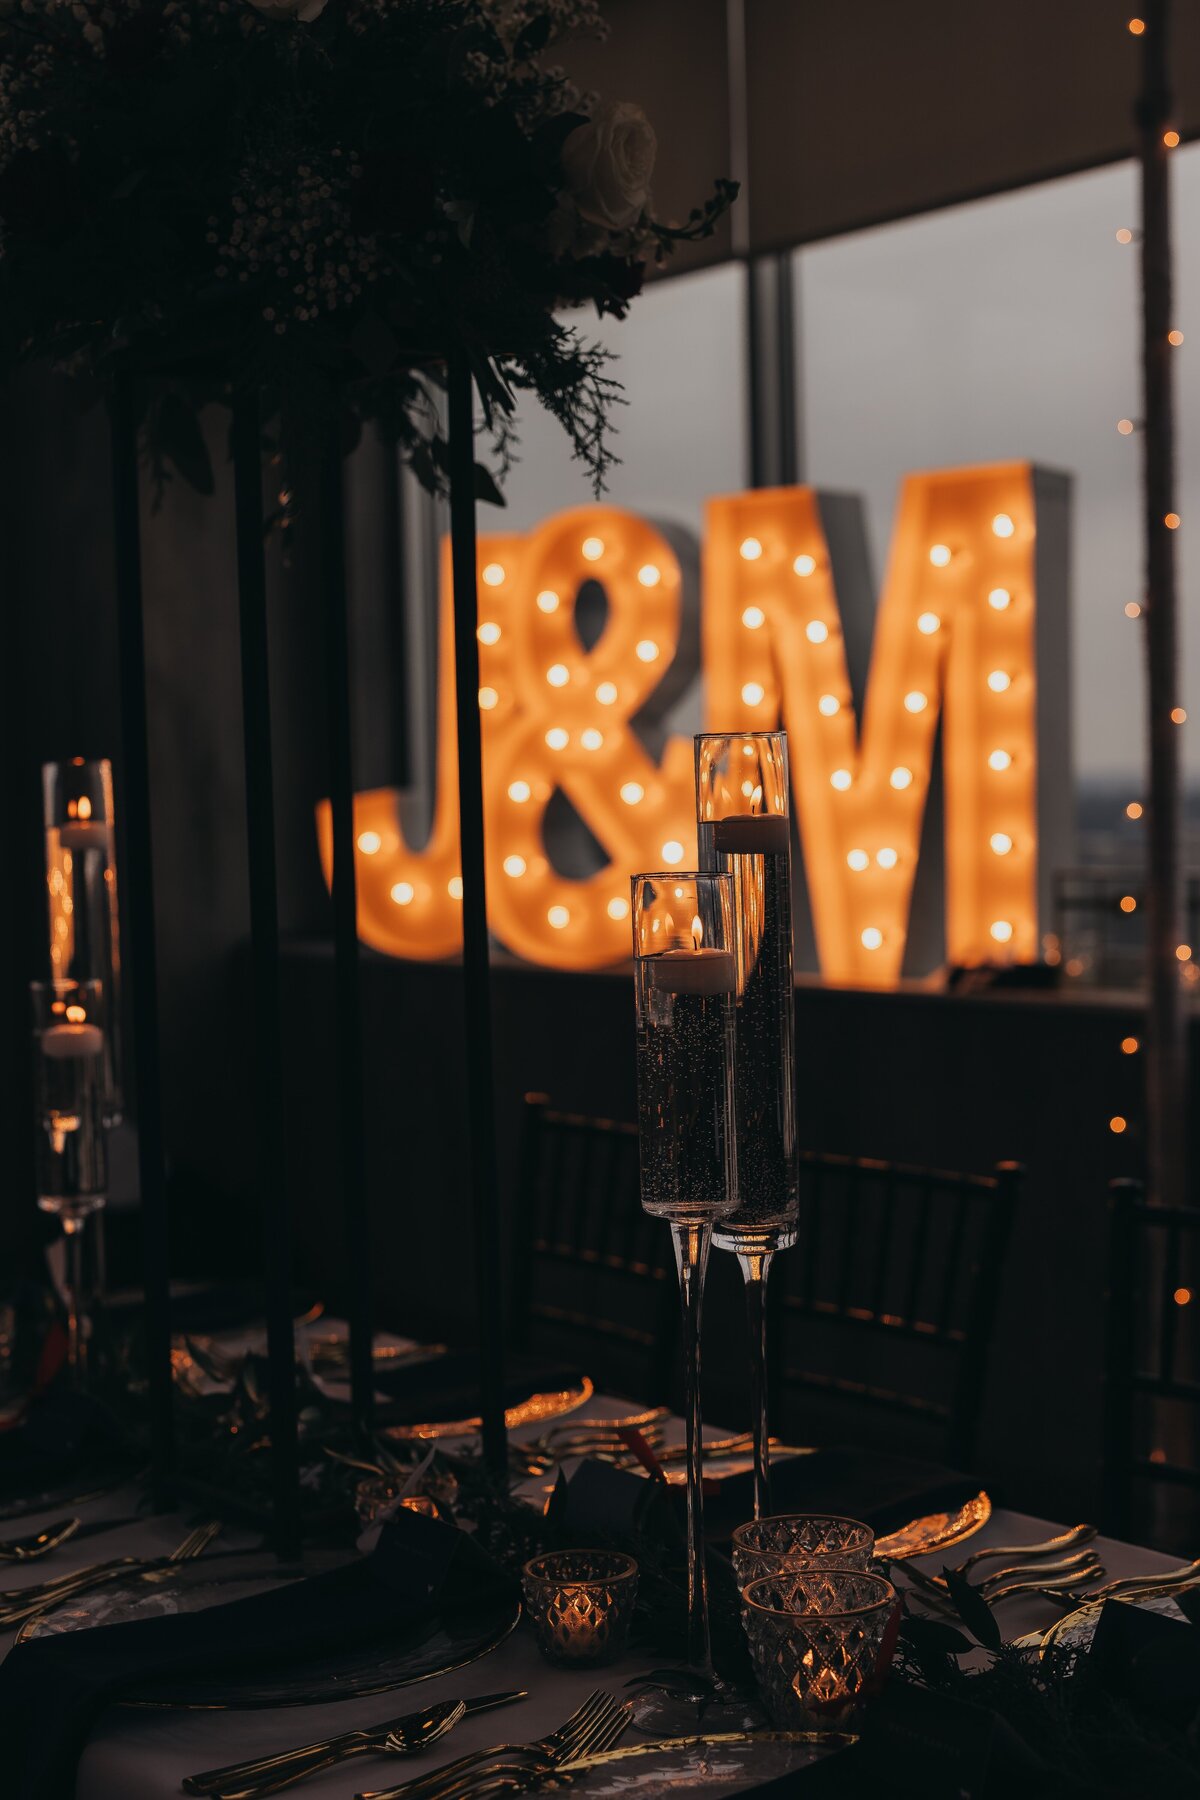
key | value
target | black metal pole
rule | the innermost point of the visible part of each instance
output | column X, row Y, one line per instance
column 138, row 946
column 1166, row 1044
column 347, row 998
column 393, row 559
column 264, row 943
column 477, row 999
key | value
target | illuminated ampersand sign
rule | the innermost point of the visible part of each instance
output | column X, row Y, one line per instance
column 555, row 715
column 954, row 633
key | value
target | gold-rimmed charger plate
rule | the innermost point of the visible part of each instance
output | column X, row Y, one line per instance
column 428, row 1648
column 936, row 1531
column 728, row 1761
column 1075, row 1629
column 555, row 1404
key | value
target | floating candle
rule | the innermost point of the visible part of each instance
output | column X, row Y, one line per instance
column 78, row 834
column 62, row 1041
column 752, row 834
column 694, row 972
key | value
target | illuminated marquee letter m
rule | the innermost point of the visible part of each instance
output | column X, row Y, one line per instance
column 971, row 629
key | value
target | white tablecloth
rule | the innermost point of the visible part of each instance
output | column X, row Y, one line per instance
column 142, row 1755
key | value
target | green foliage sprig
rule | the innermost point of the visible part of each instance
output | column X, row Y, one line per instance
column 294, row 195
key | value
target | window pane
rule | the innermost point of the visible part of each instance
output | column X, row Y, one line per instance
column 1010, row 329
column 681, row 434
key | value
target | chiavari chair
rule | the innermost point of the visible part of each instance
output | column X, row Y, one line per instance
column 883, row 1314
column 1152, row 1367
column 592, row 1274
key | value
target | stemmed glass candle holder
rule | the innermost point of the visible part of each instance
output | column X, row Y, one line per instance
column 744, row 830
column 81, row 885
column 685, row 975
column 72, row 1161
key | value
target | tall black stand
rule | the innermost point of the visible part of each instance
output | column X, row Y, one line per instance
column 264, row 939
column 348, row 1009
column 477, row 1001
column 140, row 952
column 1166, row 1038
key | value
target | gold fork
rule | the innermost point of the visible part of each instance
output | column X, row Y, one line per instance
column 23, row 1604
column 517, row 1772
column 599, row 1714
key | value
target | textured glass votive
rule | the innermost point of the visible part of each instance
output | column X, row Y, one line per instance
column 820, row 1643
column 800, row 1541
column 581, row 1603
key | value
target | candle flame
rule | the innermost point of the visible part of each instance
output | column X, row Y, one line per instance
column 85, row 807
column 76, row 1015
column 697, row 932
column 756, row 798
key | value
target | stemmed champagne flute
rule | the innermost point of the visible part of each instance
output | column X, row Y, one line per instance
column 744, row 830
column 685, row 978
column 72, row 1161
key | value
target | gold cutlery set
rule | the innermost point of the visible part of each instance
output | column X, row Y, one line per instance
column 602, row 1440
column 19, row 1605
column 259, row 1776
column 1043, row 1570
column 593, row 1727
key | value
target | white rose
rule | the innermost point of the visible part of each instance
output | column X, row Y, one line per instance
column 303, row 10
column 608, row 164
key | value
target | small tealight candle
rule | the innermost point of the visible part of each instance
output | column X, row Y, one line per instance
column 752, row 834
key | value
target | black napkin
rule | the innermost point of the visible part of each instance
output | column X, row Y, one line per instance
column 52, row 1689
column 883, row 1491
column 1147, row 1658
column 447, row 1387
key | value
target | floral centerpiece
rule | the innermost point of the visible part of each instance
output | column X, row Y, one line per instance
column 286, row 194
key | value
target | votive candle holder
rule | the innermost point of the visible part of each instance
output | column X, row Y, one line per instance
column 580, row 1603
column 820, row 1641
column 800, row 1541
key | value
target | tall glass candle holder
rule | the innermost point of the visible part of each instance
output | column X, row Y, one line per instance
column 685, row 973
column 81, row 887
column 744, row 831
column 72, row 1152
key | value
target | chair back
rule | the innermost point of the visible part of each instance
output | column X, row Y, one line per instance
column 1152, row 1367
column 593, row 1275
column 884, row 1312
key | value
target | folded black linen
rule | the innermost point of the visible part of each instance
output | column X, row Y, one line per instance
column 446, row 1387
column 885, row 1491
column 52, row 1688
